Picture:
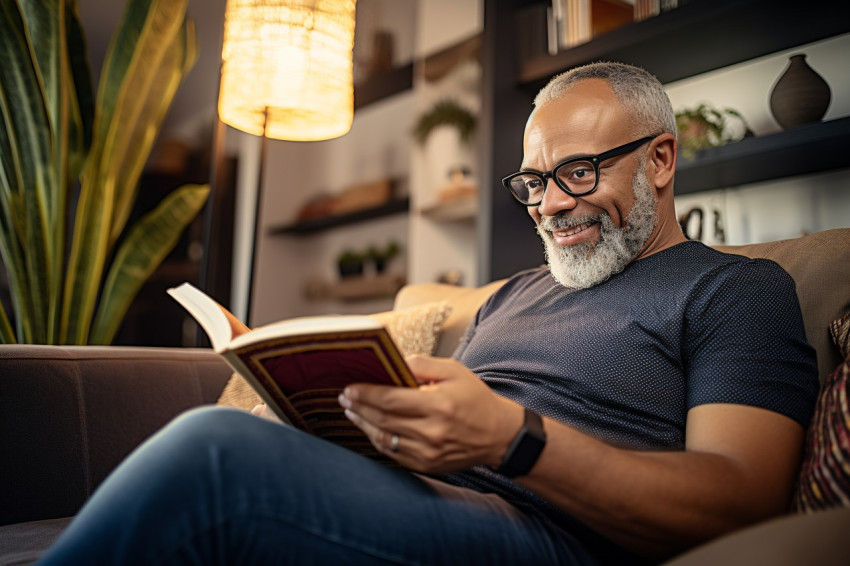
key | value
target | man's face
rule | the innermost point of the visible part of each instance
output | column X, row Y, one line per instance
column 589, row 263
column 590, row 238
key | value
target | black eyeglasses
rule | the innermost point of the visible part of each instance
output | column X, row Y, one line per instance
column 576, row 177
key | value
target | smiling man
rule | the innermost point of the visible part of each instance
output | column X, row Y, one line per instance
column 637, row 396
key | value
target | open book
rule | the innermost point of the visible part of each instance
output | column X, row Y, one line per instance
column 300, row 366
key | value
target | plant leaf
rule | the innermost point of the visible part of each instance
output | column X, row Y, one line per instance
column 148, row 91
column 147, row 32
column 151, row 239
column 27, row 194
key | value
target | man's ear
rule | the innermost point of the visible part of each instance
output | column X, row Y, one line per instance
column 662, row 160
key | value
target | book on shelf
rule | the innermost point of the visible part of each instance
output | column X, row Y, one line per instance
column 579, row 21
column 300, row 366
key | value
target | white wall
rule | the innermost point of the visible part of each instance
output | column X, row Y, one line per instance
column 778, row 209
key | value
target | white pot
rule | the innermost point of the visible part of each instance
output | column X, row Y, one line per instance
column 445, row 152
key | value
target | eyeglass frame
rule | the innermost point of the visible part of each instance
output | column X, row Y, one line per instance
column 595, row 160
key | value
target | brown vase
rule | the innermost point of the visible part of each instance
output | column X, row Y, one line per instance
column 800, row 95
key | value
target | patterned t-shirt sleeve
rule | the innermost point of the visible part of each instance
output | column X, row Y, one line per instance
column 745, row 342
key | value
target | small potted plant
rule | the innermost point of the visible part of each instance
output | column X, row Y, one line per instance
column 446, row 112
column 350, row 263
column 382, row 256
column 705, row 126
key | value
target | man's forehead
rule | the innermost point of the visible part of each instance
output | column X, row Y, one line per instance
column 580, row 122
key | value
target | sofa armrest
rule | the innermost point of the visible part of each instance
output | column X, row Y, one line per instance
column 69, row 415
column 816, row 539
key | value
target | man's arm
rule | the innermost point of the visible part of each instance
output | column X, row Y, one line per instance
column 738, row 466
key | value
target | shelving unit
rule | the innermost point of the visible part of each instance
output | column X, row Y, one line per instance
column 384, row 85
column 327, row 222
column 812, row 148
column 701, row 36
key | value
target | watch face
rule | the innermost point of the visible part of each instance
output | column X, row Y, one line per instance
column 526, row 447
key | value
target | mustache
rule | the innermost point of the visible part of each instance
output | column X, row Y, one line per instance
column 563, row 221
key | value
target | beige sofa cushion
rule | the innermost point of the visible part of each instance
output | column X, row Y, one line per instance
column 464, row 302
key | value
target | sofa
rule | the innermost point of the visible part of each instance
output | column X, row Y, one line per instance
column 69, row 415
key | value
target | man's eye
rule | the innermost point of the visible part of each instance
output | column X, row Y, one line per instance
column 533, row 184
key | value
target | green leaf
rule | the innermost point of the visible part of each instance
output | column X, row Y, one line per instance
column 148, row 243
column 130, row 113
column 155, row 83
column 30, row 176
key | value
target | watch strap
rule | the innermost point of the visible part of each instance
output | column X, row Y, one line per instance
column 525, row 448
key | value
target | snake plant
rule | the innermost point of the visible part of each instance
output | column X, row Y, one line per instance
column 70, row 162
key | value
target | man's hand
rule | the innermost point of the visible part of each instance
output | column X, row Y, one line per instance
column 453, row 421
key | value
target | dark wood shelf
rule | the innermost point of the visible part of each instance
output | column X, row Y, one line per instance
column 811, row 148
column 701, row 36
column 318, row 224
column 392, row 82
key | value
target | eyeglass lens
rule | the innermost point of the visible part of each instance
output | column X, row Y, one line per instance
column 577, row 177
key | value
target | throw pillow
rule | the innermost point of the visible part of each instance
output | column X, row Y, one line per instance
column 840, row 330
column 824, row 479
column 415, row 330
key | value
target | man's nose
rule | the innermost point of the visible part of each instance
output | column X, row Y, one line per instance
column 555, row 200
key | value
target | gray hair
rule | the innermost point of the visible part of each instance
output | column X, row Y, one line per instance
column 640, row 93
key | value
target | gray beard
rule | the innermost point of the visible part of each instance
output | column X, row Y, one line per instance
column 586, row 264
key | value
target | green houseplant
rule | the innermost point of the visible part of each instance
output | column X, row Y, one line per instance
column 72, row 264
column 446, row 112
column 704, row 126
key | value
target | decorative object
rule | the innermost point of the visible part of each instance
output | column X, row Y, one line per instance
column 286, row 74
column 824, row 479
column 350, row 263
column 800, row 95
column 446, row 112
column 445, row 132
column 705, row 126
column 381, row 257
column 57, row 136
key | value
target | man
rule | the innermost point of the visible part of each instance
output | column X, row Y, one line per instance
column 640, row 395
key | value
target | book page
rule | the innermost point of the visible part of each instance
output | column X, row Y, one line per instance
column 305, row 326
column 219, row 324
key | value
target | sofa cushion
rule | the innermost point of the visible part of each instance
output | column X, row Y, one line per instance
column 24, row 543
column 415, row 330
column 819, row 263
column 840, row 330
column 464, row 303
column 824, row 479
column 70, row 414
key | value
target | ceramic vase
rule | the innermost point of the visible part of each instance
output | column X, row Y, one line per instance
column 800, row 95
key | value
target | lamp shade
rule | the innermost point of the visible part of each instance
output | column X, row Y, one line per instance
column 288, row 62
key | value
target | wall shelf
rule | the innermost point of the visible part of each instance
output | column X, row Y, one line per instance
column 364, row 288
column 389, row 83
column 811, row 148
column 700, row 36
column 325, row 223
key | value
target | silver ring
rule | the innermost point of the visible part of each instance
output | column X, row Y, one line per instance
column 394, row 443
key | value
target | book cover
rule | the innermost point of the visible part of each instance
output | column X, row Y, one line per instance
column 300, row 366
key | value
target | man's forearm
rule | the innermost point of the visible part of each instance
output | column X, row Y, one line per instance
column 658, row 503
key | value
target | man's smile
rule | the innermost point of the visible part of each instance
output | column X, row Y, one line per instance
column 567, row 233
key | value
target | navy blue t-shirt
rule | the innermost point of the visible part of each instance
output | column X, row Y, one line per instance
column 625, row 360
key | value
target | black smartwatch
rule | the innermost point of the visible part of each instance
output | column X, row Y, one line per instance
column 526, row 447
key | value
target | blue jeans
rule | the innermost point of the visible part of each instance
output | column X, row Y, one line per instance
column 220, row 486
